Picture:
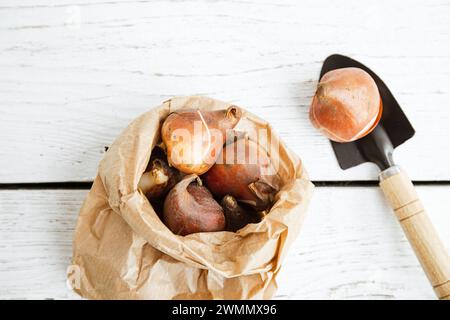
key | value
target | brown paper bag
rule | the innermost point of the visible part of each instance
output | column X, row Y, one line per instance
column 123, row 251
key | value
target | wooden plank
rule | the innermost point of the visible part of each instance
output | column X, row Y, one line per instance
column 74, row 73
column 36, row 242
column 350, row 246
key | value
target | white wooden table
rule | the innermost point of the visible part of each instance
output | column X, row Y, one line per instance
column 73, row 73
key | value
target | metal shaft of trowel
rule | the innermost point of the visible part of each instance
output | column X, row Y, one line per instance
column 377, row 148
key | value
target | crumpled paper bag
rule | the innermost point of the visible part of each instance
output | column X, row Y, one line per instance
column 124, row 251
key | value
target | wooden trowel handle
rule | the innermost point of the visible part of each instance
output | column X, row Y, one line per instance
column 422, row 236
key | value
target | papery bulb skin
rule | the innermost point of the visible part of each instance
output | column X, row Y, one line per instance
column 347, row 105
column 194, row 137
column 190, row 208
column 249, row 180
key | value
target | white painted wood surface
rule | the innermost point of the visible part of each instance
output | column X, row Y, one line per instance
column 350, row 247
column 74, row 73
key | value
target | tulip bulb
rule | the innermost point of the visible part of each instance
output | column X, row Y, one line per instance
column 246, row 173
column 159, row 177
column 189, row 208
column 347, row 105
column 194, row 137
column 237, row 216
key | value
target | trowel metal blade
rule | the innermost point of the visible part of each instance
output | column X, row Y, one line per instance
column 393, row 120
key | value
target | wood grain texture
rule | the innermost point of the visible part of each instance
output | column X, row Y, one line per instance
column 351, row 247
column 429, row 248
column 74, row 73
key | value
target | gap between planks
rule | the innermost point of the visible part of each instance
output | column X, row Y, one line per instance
column 85, row 185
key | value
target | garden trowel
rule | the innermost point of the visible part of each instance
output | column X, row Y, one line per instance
column 378, row 147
